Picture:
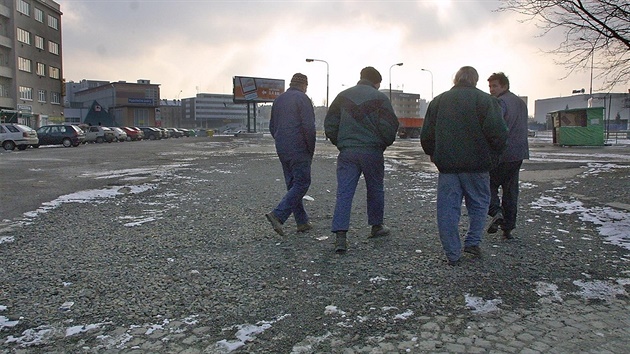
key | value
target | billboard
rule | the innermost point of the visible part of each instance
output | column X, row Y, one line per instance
column 255, row 89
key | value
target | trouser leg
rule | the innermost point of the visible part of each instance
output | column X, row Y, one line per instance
column 374, row 171
column 449, row 203
column 509, row 199
column 348, row 173
column 477, row 197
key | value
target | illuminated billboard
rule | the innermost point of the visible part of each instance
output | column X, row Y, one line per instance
column 255, row 89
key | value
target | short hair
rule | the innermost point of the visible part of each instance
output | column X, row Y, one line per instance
column 466, row 75
column 371, row 74
column 501, row 78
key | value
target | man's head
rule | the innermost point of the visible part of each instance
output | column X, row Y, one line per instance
column 498, row 84
column 466, row 75
column 372, row 75
column 299, row 81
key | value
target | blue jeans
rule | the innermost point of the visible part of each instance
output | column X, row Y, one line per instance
column 350, row 166
column 505, row 175
column 297, row 176
column 474, row 188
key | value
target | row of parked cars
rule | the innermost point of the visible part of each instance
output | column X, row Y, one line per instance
column 20, row 136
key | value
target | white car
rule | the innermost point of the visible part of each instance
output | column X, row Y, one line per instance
column 98, row 134
column 14, row 135
column 120, row 134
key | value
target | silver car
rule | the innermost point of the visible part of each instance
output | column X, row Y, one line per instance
column 14, row 135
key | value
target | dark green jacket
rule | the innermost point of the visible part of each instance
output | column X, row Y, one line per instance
column 361, row 119
column 463, row 130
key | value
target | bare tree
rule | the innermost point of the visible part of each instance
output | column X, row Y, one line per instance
column 596, row 34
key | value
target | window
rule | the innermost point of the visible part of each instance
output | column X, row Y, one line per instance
column 55, row 98
column 41, row 95
column 53, row 72
column 24, row 64
column 39, row 15
column 41, row 69
column 23, row 7
column 53, row 47
column 24, row 36
column 53, row 22
column 26, row 93
column 39, row 42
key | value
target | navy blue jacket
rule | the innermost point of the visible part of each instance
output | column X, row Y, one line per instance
column 292, row 123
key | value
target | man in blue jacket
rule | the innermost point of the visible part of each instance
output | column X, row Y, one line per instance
column 462, row 131
column 362, row 124
column 506, row 174
column 292, row 126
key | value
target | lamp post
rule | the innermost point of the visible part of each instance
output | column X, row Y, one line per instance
column 327, row 76
column 592, row 58
column 390, row 79
column 429, row 71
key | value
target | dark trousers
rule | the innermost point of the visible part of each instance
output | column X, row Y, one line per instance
column 350, row 166
column 297, row 177
column 505, row 175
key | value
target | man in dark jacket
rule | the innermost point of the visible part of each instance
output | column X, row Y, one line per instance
column 462, row 130
column 292, row 126
column 505, row 174
column 362, row 124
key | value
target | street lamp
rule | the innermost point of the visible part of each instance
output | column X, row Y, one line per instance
column 390, row 79
column 327, row 76
column 592, row 58
column 429, row 71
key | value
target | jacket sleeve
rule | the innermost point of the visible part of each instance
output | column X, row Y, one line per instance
column 307, row 114
column 272, row 121
column 494, row 127
column 427, row 135
column 332, row 120
column 388, row 123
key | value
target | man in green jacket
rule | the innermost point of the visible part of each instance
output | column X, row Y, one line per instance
column 362, row 124
column 464, row 133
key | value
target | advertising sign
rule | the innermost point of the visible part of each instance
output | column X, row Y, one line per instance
column 255, row 89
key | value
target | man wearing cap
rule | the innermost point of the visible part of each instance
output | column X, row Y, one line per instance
column 292, row 126
column 361, row 123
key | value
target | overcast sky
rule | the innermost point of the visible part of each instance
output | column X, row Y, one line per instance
column 197, row 46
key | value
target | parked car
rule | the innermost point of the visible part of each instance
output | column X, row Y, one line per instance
column 99, row 134
column 14, row 135
column 165, row 133
column 66, row 135
column 133, row 133
column 120, row 134
column 151, row 133
column 531, row 133
column 175, row 133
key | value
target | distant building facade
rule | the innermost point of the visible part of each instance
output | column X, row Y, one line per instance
column 616, row 107
column 407, row 104
column 31, row 72
column 129, row 104
column 215, row 112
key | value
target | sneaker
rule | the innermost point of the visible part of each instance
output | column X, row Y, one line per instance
column 304, row 227
column 474, row 250
column 379, row 231
column 494, row 224
column 341, row 245
column 275, row 223
column 507, row 234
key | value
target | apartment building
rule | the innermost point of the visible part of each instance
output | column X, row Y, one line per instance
column 215, row 111
column 407, row 104
column 31, row 73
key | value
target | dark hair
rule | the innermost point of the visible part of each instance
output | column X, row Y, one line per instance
column 501, row 78
column 466, row 75
column 371, row 74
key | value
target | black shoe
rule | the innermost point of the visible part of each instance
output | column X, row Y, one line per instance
column 474, row 250
column 275, row 223
column 304, row 227
column 455, row 263
column 341, row 245
column 507, row 234
column 379, row 231
column 494, row 224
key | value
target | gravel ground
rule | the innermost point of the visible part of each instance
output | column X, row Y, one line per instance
column 195, row 252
